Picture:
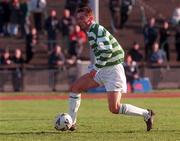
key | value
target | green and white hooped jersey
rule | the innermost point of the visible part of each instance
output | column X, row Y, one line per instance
column 107, row 50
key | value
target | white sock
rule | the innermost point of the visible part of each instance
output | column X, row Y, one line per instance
column 129, row 109
column 74, row 103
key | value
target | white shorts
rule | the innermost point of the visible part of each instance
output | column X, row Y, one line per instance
column 113, row 78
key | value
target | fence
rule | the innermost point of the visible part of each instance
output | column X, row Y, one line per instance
column 45, row 79
column 29, row 78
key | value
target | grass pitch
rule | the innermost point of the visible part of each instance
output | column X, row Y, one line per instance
column 33, row 121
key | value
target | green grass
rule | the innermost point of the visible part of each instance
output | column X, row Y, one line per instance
column 33, row 121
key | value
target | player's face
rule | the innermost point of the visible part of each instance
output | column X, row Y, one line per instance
column 82, row 20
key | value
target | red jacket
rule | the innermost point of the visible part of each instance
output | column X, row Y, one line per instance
column 78, row 36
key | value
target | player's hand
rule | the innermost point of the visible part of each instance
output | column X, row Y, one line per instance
column 93, row 73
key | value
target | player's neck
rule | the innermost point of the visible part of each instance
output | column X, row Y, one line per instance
column 90, row 24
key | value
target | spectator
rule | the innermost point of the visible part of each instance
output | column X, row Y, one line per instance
column 38, row 9
column 158, row 56
column 126, row 7
column 131, row 71
column 2, row 18
column 72, row 5
column 177, row 42
column 77, row 41
column 5, row 58
column 1, row 54
column 114, row 6
column 135, row 52
column 164, row 34
column 18, row 57
column 18, row 73
column 24, row 13
column 56, row 63
column 66, row 25
column 83, row 3
column 176, row 16
column 5, row 17
column 51, row 25
column 143, row 17
column 71, row 61
column 15, row 16
column 150, row 36
column 31, row 42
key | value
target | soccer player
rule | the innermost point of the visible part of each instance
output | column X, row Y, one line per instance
column 107, row 70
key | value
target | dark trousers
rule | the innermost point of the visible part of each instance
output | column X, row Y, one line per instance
column 53, row 78
column 178, row 51
column 17, row 79
column 29, row 55
column 38, row 21
column 166, row 49
column 115, row 18
column 23, row 26
column 51, row 42
column 124, row 16
column 130, row 81
column 72, row 48
column 148, row 50
column 1, row 26
column 3, row 80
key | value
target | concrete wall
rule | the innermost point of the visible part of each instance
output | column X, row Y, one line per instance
column 38, row 79
column 163, row 78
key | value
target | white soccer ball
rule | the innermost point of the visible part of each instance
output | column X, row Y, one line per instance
column 63, row 122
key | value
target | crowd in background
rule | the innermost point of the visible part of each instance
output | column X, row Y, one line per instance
column 29, row 20
column 156, row 33
column 153, row 32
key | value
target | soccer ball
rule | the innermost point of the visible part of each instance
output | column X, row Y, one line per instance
column 63, row 122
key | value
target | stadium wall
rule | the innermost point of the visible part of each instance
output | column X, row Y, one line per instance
column 39, row 79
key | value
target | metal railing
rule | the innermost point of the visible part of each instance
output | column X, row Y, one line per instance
column 31, row 78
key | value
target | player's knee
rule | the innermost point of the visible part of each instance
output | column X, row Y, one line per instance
column 114, row 110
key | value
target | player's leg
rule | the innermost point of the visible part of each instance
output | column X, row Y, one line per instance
column 114, row 101
column 115, row 85
column 118, row 108
column 83, row 83
column 127, row 109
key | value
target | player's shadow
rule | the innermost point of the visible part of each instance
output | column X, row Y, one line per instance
column 56, row 132
column 30, row 133
column 23, row 119
column 132, row 131
column 86, row 132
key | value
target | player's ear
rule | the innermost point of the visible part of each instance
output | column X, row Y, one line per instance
column 91, row 18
